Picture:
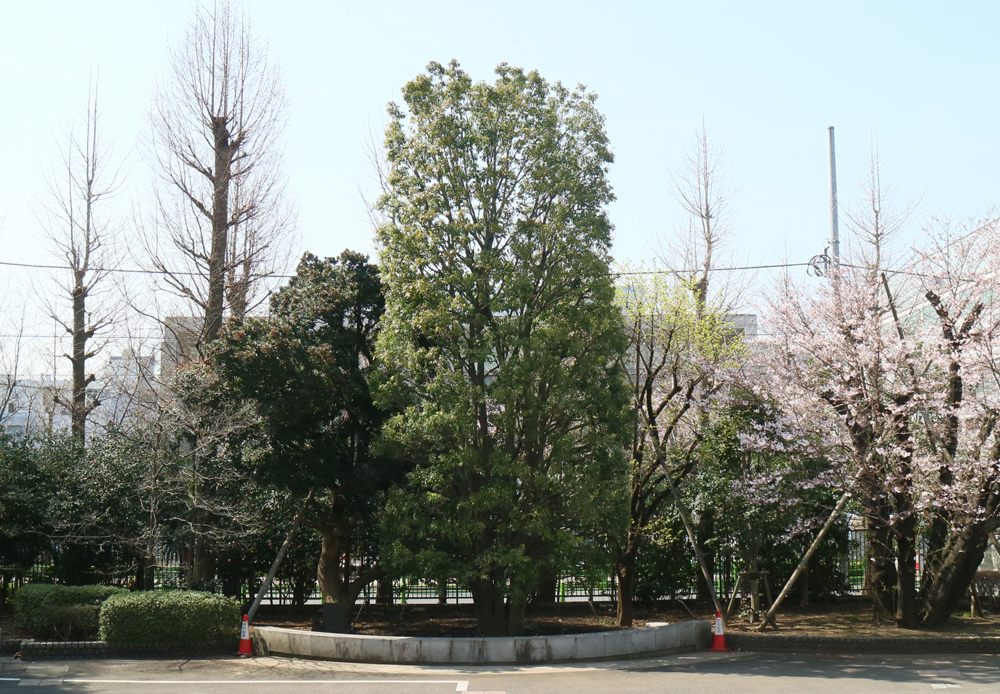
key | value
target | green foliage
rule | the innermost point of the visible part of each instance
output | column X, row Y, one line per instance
column 500, row 337
column 665, row 564
column 26, row 491
column 305, row 369
column 169, row 617
column 767, row 494
column 48, row 610
column 68, row 622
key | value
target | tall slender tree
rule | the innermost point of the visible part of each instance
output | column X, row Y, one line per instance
column 81, row 233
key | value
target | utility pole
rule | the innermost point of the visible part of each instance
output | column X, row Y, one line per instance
column 834, row 228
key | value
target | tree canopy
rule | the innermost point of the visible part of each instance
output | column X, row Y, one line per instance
column 500, row 326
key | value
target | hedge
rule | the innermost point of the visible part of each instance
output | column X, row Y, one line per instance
column 174, row 617
column 64, row 612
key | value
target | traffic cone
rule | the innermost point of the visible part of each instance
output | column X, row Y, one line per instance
column 246, row 648
column 719, row 640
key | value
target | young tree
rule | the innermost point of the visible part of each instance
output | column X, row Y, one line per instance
column 500, row 329
column 221, row 221
column 676, row 345
column 305, row 370
column 80, row 231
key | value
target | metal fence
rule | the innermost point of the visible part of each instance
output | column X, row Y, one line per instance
column 569, row 587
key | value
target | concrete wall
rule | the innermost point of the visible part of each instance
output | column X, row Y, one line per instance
column 624, row 643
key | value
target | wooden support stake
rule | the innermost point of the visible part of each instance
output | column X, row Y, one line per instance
column 709, row 581
column 278, row 559
column 769, row 617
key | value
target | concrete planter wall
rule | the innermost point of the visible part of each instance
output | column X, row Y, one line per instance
column 625, row 643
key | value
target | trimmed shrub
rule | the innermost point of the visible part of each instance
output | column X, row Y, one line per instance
column 174, row 617
column 64, row 612
column 71, row 622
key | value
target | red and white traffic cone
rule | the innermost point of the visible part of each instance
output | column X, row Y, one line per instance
column 246, row 648
column 719, row 640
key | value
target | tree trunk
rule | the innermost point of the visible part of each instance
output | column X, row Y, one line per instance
column 79, row 408
column 804, row 586
column 961, row 557
column 880, row 574
column 906, row 574
column 754, row 589
column 220, row 230
column 546, row 592
column 626, row 589
column 705, row 532
column 488, row 600
column 498, row 611
column 336, row 611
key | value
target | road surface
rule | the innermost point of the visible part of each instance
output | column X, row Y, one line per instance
column 701, row 673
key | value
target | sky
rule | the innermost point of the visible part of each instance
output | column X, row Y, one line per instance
column 767, row 79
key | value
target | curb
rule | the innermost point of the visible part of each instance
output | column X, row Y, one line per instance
column 62, row 650
column 768, row 643
column 623, row 644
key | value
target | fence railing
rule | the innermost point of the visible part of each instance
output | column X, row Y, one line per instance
column 569, row 587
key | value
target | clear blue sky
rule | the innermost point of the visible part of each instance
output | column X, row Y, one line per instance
column 768, row 78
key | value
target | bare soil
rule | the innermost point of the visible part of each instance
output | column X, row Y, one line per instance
column 847, row 618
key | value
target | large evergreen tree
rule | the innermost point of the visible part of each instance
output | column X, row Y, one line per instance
column 500, row 328
column 305, row 370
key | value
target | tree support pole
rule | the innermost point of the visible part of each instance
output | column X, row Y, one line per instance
column 769, row 617
column 709, row 581
column 278, row 559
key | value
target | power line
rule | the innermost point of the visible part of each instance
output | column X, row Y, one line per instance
column 712, row 269
column 735, row 268
column 125, row 270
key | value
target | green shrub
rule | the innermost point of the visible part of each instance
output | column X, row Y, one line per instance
column 48, row 610
column 169, row 617
column 71, row 622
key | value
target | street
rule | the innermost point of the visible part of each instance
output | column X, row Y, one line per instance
column 747, row 673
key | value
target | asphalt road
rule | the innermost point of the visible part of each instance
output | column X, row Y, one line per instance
column 703, row 673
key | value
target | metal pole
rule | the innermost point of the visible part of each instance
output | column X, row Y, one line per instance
column 834, row 227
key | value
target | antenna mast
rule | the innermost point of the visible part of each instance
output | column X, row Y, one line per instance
column 834, row 228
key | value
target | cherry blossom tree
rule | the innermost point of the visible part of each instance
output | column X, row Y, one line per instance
column 897, row 373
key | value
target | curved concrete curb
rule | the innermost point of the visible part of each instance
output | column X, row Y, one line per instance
column 682, row 637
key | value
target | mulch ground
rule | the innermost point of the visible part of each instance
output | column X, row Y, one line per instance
column 848, row 618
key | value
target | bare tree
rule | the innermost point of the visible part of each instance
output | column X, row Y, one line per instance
column 705, row 196
column 222, row 224
column 81, row 232
column 873, row 221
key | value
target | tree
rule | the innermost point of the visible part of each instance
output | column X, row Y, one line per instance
column 80, row 231
column 216, row 129
column 305, row 370
column 762, row 475
column 907, row 395
column 500, row 338
column 676, row 344
column 705, row 197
